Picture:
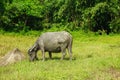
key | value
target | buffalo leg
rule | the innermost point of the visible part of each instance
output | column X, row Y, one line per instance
column 32, row 58
column 70, row 52
column 50, row 55
column 63, row 53
column 63, row 50
column 36, row 56
column 43, row 54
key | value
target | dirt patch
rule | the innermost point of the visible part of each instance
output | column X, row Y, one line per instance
column 109, row 74
column 12, row 57
column 115, row 73
column 115, row 46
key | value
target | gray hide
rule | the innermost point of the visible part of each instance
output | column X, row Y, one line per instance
column 52, row 42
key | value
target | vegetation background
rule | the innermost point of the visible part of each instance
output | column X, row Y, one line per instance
column 95, row 57
column 88, row 15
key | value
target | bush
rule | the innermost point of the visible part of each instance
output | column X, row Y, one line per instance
column 115, row 25
column 97, row 18
column 26, row 15
column 22, row 15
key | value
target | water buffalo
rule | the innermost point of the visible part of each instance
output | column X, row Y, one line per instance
column 52, row 42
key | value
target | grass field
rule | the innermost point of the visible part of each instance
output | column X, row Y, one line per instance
column 94, row 58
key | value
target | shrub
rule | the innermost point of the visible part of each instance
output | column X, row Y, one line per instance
column 115, row 25
column 97, row 18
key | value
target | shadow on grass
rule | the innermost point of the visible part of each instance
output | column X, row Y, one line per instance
column 57, row 59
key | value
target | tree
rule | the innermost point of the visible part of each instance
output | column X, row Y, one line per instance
column 95, row 15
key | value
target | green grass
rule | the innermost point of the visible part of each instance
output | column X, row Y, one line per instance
column 94, row 58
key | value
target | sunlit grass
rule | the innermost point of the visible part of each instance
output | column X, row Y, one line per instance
column 93, row 57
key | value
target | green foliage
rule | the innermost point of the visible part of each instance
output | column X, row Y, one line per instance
column 97, row 18
column 115, row 22
column 25, row 15
column 115, row 25
column 22, row 15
